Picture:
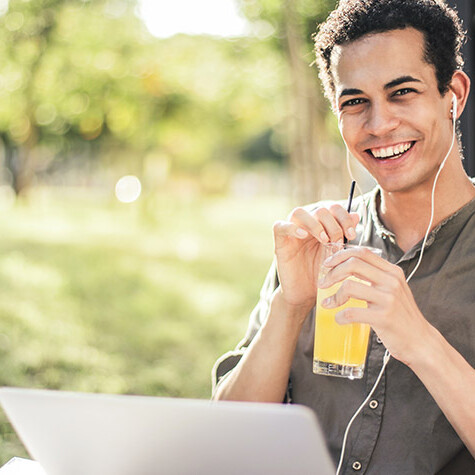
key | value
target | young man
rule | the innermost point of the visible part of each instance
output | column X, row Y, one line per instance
column 392, row 72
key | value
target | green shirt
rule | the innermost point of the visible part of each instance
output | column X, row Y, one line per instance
column 402, row 430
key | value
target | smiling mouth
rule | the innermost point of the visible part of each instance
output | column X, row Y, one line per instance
column 390, row 153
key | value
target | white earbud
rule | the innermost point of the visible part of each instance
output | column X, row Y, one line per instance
column 454, row 108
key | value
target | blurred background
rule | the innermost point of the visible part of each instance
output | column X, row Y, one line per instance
column 146, row 148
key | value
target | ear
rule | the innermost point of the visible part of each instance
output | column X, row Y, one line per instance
column 460, row 86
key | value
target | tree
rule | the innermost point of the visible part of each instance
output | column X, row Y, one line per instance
column 74, row 72
column 313, row 159
column 85, row 81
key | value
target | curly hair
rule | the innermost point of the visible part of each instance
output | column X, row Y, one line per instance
column 352, row 19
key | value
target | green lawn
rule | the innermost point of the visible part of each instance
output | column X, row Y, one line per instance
column 99, row 296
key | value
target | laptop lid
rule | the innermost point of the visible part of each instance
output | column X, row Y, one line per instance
column 96, row 434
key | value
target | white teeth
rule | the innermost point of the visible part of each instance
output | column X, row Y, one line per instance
column 391, row 151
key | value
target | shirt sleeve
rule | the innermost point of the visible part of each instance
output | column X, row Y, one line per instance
column 227, row 362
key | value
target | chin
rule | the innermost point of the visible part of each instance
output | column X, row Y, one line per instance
column 397, row 186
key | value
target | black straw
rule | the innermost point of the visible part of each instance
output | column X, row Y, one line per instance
column 350, row 199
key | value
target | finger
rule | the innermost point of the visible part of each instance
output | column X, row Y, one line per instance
column 332, row 227
column 349, row 289
column 352, row 267
column 345, row 220
column 361, row 253
column 284, row 229
column 355, row 217
column 354, row 315
column 305, row 220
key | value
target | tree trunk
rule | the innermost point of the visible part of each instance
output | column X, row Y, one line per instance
column 18, row 162
column 317, row 166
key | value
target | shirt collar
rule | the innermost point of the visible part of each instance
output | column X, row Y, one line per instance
column 386, row 234
column 379, row 227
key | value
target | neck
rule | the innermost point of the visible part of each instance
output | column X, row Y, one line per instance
column 407, row 213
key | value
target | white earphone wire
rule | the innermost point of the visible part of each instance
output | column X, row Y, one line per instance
column 387, row 355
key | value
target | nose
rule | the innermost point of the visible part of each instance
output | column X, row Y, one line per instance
column 381, row 120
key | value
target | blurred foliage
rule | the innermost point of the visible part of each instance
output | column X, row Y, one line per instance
column 270, row 18
column 141, row 299
column 98, row 296
column 315, row 152
column 85, row 81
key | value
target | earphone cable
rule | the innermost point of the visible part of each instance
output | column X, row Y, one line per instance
column 387, row 355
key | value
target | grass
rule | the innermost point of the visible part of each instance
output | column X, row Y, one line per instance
column 98, row 296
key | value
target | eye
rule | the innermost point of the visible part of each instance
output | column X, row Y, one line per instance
column 404, row 91
column 353, row 102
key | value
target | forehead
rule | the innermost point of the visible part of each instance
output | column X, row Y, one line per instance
column 376, row 59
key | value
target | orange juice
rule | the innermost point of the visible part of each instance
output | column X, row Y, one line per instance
column 339, row 344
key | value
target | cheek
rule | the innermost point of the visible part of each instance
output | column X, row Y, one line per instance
column 436, row 132
column 349, row 133
column 427, row 120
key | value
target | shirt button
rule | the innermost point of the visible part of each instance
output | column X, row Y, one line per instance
column 373, row 404
column 379, row 340
column 356, row 466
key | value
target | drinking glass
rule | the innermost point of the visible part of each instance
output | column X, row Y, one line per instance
column 339, row 350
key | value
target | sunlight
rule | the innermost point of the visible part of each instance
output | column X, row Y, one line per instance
column 212, row 17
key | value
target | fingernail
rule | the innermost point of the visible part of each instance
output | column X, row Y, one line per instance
column 351, row 233
column 301, row 232
column 326, row 302
column 327, row 261
column 323, row 236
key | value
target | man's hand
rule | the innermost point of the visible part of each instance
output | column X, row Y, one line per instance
column 297, row 242
column 392, row 311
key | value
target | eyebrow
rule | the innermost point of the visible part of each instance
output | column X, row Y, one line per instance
column 351, row 92
column 399, row 81
column 395, row 82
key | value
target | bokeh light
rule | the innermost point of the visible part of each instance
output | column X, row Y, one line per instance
column 128, row 189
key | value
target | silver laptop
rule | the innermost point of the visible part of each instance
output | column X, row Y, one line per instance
column 95, row 434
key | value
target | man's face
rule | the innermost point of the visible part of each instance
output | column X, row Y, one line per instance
column 390, row 112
